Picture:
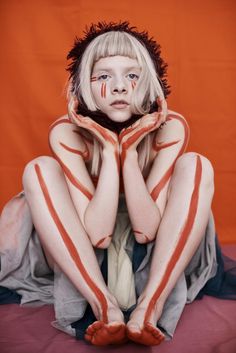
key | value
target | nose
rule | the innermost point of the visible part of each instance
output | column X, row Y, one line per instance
column 119, row 87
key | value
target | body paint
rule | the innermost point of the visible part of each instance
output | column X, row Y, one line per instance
column 73, row 179
column 157, row 146
column 70, row 245
column 161, row 184
column 133, row 84
column 84, row 154
column 147, row 239
column 67, row 121
column 103, row 90
column 105, row 134
column 93, row 79
column 102, row 240
column 184, row 235
column 130, row 141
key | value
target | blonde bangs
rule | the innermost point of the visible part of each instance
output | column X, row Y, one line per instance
column 114, row 43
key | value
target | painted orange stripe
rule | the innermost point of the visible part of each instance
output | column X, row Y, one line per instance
column 102, row 240
column 133, row 84
column 105, row 90
column 159, row 146
column 182, row 239
column 58, row 123
column 145, row 236
column 73, row 179
column 102, row 90
column 131, row 140
column 84, row 154
column 158, row 188
column 70, row 245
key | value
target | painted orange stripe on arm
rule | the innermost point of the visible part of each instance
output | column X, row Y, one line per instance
column 70, row 245
column 159, row 146
column 157, row 189
column 84, row 154
column 62, row 121
column 73, row 179
column 182, row 239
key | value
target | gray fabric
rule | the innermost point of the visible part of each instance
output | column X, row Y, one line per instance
column 24, row 269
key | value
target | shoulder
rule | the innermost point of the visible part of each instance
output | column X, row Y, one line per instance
column 175, row 126
column 63, row 131
column 172, row 115
column 176, row 121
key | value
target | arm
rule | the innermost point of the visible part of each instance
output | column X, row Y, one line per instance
column 96, row 208
column 146, row 200
column 143, row 212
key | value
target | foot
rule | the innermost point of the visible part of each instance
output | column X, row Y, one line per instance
column 144, row 332
column 114, row 332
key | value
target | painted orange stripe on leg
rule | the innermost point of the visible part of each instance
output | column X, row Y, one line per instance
column 158, row 188
column 70, row 245
column 182, row 240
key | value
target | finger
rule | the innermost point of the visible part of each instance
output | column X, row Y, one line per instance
column 162, row 104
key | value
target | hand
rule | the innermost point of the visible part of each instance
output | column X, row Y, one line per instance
column 106, row 137
column 130, row 137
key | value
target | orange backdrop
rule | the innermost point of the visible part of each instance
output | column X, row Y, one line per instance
column 198, row 41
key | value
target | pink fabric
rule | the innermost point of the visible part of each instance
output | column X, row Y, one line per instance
column 206, row 326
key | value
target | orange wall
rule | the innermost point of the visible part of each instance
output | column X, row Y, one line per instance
column 198, row 40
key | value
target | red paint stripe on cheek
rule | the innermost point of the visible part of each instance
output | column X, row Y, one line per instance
column 182, row 238
column 70, row 245
column 133, row 84
column 103, row 90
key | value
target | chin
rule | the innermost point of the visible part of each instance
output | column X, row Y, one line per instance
column 119, row 118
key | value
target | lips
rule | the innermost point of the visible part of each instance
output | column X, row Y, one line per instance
column 119, row 104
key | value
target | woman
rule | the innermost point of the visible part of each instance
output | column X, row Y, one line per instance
column 120, row 181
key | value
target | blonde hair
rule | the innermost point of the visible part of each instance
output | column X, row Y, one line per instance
column 146, row 92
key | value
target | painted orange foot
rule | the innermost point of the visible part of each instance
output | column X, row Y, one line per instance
column 149, row 335
column 101, row 334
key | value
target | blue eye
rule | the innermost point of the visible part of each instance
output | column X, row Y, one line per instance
column 133, row 77
column 103, row 77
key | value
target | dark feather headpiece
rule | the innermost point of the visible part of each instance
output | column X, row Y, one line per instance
column 91, row 33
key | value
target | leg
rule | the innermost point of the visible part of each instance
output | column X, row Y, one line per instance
column 180, row 233
column 65, row 240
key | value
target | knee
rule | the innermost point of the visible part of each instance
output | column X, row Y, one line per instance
column 47, row 165
column 187, row 165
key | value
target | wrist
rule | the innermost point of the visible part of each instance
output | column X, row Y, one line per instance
column 129, row 156
column 109, row 151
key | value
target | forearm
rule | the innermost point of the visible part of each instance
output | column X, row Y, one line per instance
column 100, row 215
column 143, row 212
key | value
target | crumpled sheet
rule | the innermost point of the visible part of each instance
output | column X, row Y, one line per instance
column 24, row 268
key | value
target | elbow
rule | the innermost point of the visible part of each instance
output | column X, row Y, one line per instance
column 102, row 243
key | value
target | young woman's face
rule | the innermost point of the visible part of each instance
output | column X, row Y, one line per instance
column 113, row 83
